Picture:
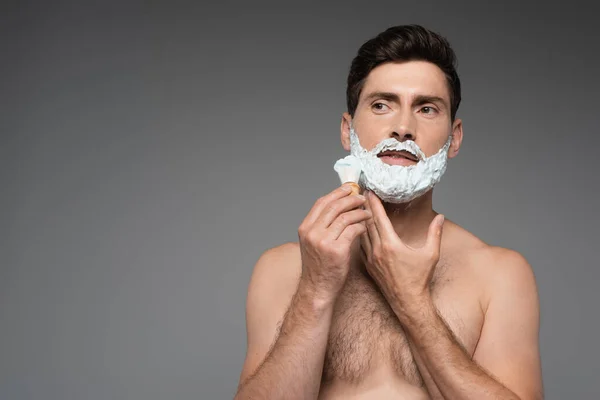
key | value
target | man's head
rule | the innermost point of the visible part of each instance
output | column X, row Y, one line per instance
column 402, row 96
column 403, row 84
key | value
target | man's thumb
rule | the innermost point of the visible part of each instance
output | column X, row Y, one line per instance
column 434, row 236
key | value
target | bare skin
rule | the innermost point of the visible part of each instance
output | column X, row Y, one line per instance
column 383, row 301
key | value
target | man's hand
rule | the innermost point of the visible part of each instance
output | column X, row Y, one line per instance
column 506, row 362
column 326, row 236
column 286, row 348
column 403, row 273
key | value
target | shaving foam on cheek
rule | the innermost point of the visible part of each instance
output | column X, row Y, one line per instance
column 396, row 183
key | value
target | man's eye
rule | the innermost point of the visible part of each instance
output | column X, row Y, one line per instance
column 428, row 110
column 379, row 106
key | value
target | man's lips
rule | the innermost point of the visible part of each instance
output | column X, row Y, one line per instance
column 398, row 154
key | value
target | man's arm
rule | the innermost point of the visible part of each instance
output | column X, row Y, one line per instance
column 320, row 263
column 289, row 360
column 506, row 363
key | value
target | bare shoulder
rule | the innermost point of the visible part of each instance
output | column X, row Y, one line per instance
column 493, row 259
column 272, row 285
column 274, row 281
column 508, row 274
column 277, row 269
column 508, row 345
column 498, row 268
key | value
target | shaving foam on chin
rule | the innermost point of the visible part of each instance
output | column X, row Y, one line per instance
column 349, row 169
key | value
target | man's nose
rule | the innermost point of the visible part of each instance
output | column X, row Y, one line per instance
column 405, row 127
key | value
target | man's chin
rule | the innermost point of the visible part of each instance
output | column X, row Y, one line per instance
column 401, row 205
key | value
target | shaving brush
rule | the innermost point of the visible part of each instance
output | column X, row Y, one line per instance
column 349, row 169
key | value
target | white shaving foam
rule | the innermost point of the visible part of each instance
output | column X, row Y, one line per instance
column 398, row 183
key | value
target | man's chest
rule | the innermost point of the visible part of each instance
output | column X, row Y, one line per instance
column 366, row 336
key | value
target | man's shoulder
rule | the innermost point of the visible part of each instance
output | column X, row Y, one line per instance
column 499, row 267
column 486, row 255
column 504, row 272
column 507, row 266
column 277, row 271
column 283, row 257
column 287, row 249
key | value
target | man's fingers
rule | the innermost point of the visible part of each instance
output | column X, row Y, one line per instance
column 434, row 234
column 351, row 232
column 336, row 208
column 321, row 203
column 345, row 219
column 365, row 243
column 374, row 238
column 382, row 222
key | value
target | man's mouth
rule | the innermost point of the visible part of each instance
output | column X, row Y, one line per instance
column 398, row 154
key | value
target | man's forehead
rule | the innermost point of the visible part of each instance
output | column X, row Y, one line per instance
column 407, row 79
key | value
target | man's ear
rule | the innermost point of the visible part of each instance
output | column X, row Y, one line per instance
column 457, row 137
column 345, row 131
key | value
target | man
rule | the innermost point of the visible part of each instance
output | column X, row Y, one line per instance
column 387, row 299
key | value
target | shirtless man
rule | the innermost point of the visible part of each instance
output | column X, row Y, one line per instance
column 380, row 300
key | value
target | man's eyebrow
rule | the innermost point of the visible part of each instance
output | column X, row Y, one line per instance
column 419, row 99
column 389, row 96
column 422, row 99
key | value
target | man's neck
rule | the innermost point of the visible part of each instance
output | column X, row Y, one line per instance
column 411, row 220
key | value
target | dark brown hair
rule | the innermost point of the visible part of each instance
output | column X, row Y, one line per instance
column 398, row 44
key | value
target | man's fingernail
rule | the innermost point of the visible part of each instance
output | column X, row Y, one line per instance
column 441, row 220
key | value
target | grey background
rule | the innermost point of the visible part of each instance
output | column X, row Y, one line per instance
column 150, row 152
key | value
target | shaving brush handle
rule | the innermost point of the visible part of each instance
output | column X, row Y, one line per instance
column 354, row 186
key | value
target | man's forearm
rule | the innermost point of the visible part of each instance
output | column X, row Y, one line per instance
column 432, row 389
column 293, row 367
column 442, row 358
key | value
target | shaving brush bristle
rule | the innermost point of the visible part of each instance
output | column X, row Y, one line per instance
column 349, row 169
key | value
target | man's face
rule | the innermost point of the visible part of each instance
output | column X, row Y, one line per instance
column 406, row 101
